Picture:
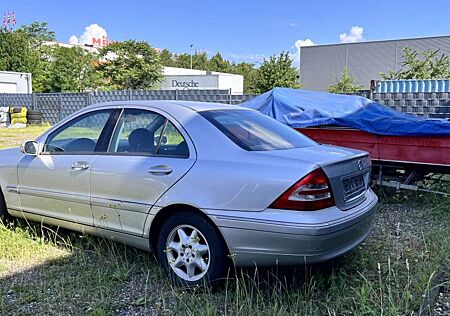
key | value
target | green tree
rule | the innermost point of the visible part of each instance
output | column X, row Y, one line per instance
column 72, row 70
column 183, row 60
column 39, row 32
column 16, row 52
column 217, row 63
column 199, row 61
column 167, row 58
column 277, row 71
column 22, row 51
column 250, row 73
column 430, row 64
column 345, row 83
column 130, row 65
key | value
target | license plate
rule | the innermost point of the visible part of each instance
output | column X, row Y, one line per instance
column 353, row 187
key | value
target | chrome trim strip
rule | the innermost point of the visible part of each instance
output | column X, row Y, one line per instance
column 121, row 204
column 69, row 197
column 86, row 199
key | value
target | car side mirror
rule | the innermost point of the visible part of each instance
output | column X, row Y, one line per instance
column 30, row 147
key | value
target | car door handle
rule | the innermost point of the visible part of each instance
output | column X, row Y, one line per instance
column 160, row 170
column 80, row 166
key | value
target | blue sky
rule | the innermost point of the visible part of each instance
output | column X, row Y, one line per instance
column 240, row 30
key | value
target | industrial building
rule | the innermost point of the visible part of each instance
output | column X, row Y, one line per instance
column 320, row 65
column 182, row 78
column 15, row 82
column 193, row 79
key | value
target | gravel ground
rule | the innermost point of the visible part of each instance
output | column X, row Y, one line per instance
column 442, row 305
column 139, row 299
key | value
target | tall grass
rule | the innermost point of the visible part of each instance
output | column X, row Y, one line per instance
column 73, row 273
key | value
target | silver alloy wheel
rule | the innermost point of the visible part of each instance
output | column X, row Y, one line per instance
column 187, row 252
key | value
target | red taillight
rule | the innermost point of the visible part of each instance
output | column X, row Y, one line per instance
column 312, row 192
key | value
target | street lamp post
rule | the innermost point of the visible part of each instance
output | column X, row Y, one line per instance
column 191, row 53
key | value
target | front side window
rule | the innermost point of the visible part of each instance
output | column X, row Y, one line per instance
column 254, row 131
column 82, row 134
column 145, row 132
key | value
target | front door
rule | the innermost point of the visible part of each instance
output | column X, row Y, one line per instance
column 147, row 155
column 56, row 183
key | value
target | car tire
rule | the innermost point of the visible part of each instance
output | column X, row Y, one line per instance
column 204, row 250
column 34, row 113
column 34, row 116
column 29, row 121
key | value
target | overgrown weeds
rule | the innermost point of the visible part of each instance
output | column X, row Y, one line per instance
column 46, row 270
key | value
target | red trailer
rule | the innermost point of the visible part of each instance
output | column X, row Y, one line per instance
column 398, row 161
column 422, row 147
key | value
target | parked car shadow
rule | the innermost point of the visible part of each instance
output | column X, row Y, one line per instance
column 93, row 255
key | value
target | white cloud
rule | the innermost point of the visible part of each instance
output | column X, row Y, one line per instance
column 250, row 57
column 303, row 43
column 258, row 58
column 298, row 45
column 293, row 24
column 73, row 40
column 355, row 35
column 90, row 32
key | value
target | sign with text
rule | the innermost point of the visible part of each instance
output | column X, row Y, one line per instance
column 190, row 82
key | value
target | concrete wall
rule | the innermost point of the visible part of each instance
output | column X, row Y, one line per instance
column 15, row 82
column 321, row 64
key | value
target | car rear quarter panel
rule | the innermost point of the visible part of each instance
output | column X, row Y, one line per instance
column 234, row 185
column 230, row 178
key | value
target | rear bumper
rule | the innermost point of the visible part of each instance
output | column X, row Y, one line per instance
column 294, row 237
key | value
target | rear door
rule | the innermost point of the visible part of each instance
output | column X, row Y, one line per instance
column 148, row 153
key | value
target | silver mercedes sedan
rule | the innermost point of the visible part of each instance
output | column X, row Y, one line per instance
column 202, row 185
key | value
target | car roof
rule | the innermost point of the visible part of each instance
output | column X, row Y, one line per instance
column 163, row 104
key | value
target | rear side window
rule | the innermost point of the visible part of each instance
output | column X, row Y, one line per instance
column 172, row 142
column 254, row 131
column 137, row 131
column 145, row 132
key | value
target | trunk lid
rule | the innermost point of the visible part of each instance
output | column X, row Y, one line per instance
column 347, row 169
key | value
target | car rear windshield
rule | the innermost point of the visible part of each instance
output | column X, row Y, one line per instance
column 254, row 131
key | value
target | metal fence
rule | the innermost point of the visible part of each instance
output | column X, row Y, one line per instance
column 428, row 104
column 56, row 106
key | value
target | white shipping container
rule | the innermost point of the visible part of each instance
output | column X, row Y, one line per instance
column 15, row 82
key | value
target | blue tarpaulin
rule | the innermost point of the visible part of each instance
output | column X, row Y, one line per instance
column 300, row 108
